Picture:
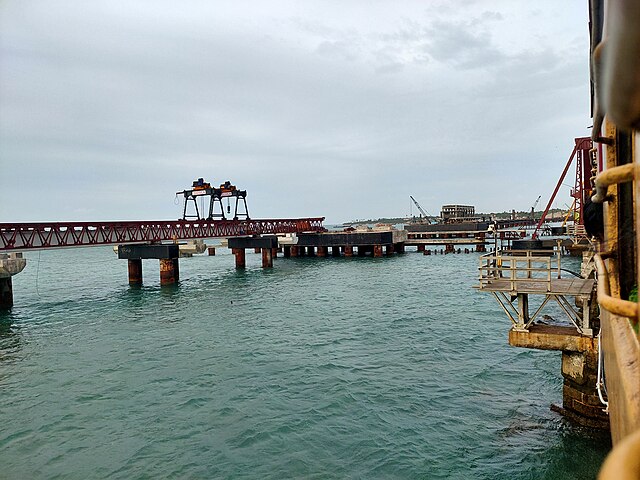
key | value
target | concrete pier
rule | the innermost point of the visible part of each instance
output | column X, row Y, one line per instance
column 239, row 254
column 266, row 245
column 169, row 271
column 348, row 251
column 167, row 254
column 10, row 264
column 580, row 401
column 6, row 293
column 377, row 251
column 135, row 271
column 267, row 257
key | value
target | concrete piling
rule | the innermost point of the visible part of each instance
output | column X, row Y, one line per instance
column 389, row 249
column 267, row 258
column 239, row 253
column 377, row 251
column 348, row 251
column 322, row 251
column 169, row 271
column 6, row 292
column 135, row 271
column 211, row 251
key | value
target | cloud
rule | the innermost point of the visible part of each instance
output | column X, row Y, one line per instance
column 112, row 107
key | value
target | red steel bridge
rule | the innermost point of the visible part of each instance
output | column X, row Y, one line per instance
column 48, row 235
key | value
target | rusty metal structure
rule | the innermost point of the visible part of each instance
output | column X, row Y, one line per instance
column 41, row 235
column 202, row 189
column 582, row 155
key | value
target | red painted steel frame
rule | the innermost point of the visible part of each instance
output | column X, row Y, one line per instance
column 46, row 235
column 582, row 143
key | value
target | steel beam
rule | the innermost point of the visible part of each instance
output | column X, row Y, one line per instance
column 48, row 235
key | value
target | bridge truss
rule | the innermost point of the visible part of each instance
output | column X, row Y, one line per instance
column 48, row 235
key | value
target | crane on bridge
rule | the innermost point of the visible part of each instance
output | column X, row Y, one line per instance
column 200, row 188
column 423, row 213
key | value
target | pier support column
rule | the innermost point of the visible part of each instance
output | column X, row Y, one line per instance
column 256, row 250
column 311, row 251
column 322, row 251
column 427, row 252
column 239, row 253
column 294, row 251
column 10, row 264
column 449, row 248
column 362, row 250
column 377, row 251
column 335, row 251
column 135, row 271
column 286, row 251
column 481, row 248
column 267, row 257
column 580, row 401
column 274, row 252
column 169, row 271
column 348, row 251
column 399, row 247
column 389, row 249
column 421, row 247
column 523, row 309
column 211, row 251
column 6, row 293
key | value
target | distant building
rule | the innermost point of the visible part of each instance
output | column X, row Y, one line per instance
column 457, row 213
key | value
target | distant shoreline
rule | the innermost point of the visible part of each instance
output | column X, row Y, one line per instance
column 553, row 213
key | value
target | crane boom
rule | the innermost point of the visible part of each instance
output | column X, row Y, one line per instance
column 420, row 209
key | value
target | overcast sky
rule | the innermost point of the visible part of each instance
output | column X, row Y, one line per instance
column 329, row 108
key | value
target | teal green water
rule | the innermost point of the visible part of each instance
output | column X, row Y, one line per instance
column 319, row 368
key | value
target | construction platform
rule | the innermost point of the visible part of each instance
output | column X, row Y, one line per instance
column 511, row 277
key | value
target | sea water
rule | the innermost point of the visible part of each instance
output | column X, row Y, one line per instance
column 318, row 368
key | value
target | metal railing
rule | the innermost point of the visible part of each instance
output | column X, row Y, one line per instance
column 520, row 266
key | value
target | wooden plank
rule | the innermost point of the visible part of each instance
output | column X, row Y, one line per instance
column 559, row 286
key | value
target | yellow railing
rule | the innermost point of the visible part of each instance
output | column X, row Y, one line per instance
column 616, row 306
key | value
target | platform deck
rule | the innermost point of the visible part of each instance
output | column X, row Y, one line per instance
column 558, row 286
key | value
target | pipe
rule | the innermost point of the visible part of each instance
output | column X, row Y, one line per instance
column 617, row 306
column 612, row 176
